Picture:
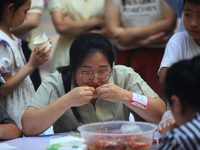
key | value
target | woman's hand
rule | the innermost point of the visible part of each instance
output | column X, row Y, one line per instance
column 100, row 27
column 113, row 93
column 98, row 22
column 157, row 39
column 80, row 95
column 102, row 31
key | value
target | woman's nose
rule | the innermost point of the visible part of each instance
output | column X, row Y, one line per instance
column 96, row 78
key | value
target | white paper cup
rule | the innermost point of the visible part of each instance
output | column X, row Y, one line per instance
column 41, row 40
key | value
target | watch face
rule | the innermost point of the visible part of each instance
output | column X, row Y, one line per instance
column 2, row 81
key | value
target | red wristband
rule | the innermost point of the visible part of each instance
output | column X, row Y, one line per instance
column 140, row 100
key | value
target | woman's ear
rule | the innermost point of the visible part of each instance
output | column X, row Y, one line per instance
column 176, row 105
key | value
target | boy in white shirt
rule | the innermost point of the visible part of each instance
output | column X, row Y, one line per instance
column 183, row 45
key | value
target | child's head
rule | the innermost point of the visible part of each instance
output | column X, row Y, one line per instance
column 192, row 19
column 182, row 88
column 14, row 11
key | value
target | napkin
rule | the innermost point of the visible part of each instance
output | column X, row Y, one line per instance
column 6, row 146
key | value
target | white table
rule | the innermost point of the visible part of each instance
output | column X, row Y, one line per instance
column 28, row 143
column 41, row 142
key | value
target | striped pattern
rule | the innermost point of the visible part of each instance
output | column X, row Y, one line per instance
column 186, row 137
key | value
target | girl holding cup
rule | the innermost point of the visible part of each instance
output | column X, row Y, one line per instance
column 16, row 93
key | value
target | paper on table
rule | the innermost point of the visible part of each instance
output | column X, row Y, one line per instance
column 66, row 143
column 64, row 139
column 6, row 146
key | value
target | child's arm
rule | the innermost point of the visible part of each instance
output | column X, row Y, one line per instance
column 8, row 128
column 37, row 58
column 10, row 131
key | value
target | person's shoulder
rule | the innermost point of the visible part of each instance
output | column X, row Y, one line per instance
column 3, row 37
column 57, row 5
column 180, row 37
column 55, row 78
column 120, row 71
column 36, row 6
column 183, row 133
column 122, row 68
column 55, row 75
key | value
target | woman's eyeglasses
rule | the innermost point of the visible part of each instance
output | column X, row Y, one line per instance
column 89, row 76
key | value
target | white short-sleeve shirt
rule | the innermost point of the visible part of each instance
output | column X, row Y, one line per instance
column 180, row 46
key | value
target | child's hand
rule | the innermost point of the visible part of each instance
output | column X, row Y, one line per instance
column 38, row 57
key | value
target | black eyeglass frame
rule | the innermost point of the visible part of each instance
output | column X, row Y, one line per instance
column 110, row 73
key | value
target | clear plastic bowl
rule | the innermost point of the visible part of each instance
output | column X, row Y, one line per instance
column 120, row 135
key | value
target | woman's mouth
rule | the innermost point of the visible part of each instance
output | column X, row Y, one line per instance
column 95, row 86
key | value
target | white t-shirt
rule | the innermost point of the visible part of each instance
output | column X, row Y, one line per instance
column 137, row 13
column 180, row 46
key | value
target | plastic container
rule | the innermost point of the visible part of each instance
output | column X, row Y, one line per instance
column 112, row 135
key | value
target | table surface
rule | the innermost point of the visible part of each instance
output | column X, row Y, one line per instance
column 41, row 142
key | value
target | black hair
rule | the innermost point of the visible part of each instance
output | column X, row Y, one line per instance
column 191, row 1
column 16, row 3
column 183, row 80
column 86, row 45
column 82, row 48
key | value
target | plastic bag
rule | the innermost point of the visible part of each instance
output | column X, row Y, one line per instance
column 167, row 119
